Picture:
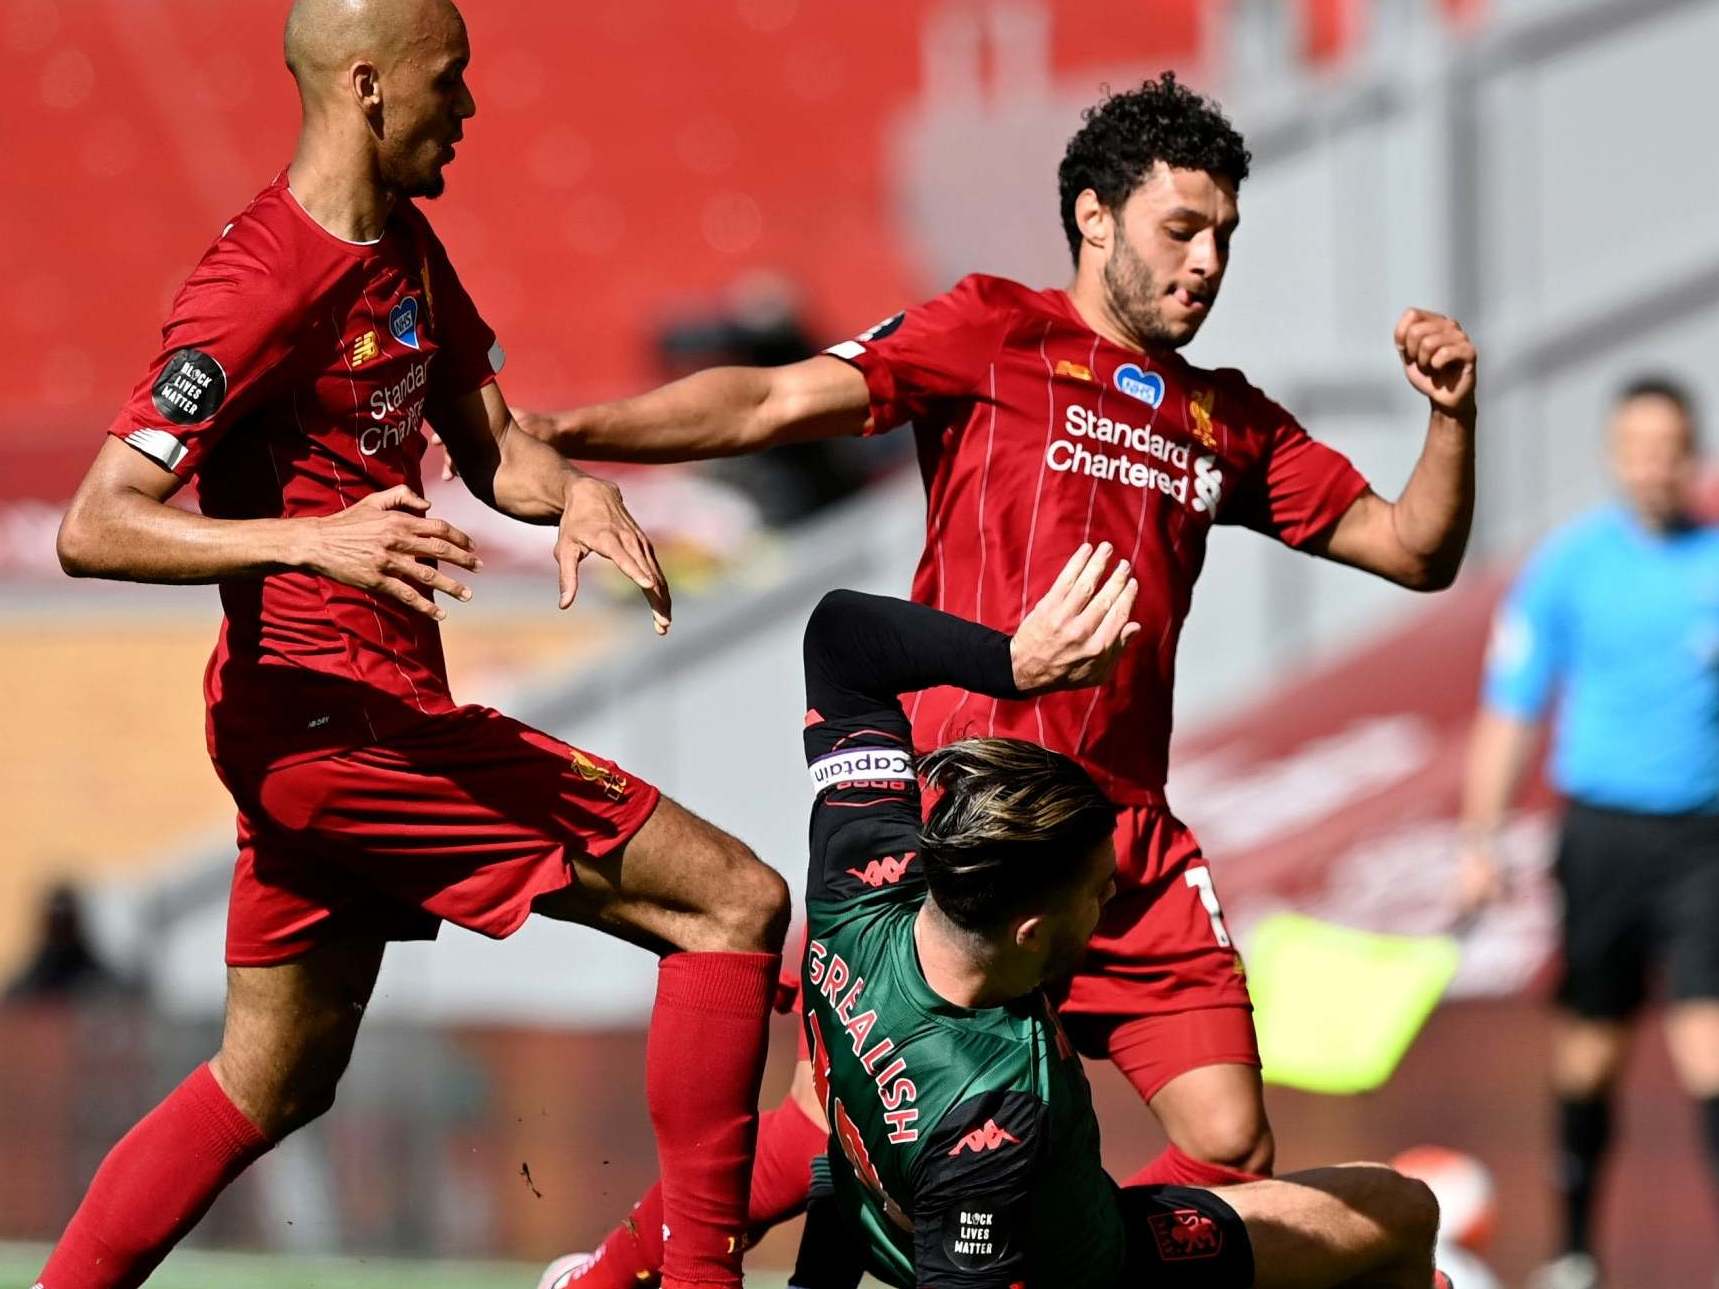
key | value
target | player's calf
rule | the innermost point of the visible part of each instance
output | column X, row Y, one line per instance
column 718, row 916
column 289, row 1032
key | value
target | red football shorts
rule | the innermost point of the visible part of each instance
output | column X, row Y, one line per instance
column 1162, row 989
column 465, row 818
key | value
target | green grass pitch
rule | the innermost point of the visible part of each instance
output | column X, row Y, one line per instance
column 193, row 1269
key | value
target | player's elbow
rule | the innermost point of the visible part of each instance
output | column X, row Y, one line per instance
column 775, row 410
column 76, row 545
column 819, row 398
column 1429, row 572
column 833, row 620
column 1426, row 577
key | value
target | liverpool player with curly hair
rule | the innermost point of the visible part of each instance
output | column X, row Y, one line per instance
column 1046, row 418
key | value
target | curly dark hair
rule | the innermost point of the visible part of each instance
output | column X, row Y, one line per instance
column 1126, row 134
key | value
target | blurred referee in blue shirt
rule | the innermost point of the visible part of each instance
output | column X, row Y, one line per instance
column 1614, row 623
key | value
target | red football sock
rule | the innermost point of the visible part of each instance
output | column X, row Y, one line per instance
column 153, row 1187
column 1173, row 1168
column 788, row 1141
column 632, row 1254
column 704, row 1059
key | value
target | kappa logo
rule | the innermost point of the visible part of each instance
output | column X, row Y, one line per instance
column 886, row 871
column 1077, row 371
column 614, row 783
column 364, row 349
column 403, row 321
column 1186, row 1234
column 1200, row 412
column 1147, row 386
column 990, row 1137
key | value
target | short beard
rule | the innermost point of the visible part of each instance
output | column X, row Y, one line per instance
column 1132, row 293
column 413, row 187
column 1063, row 961
column 430, row 188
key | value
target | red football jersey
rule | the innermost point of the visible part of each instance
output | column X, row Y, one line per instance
column 1035, row 435
column 292, row 381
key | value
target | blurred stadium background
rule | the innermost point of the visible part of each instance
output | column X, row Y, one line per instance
column 654, row 185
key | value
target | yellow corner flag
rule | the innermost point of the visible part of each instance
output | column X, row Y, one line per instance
column 1337, row 1008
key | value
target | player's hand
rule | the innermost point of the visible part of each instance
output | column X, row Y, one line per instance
column 593, row 519
column 381, row 544
column 1075, row 634
column 1438, row 360
column 1480, row 881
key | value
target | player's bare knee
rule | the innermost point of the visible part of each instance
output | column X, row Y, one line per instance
column 1413, row 1212
column 740, row 904
column 757, row 908
column 1235, row 1137
column 303, row 1105
column 1404, row 1207
column 282, row 1078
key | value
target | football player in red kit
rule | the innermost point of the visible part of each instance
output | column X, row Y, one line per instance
column 299, row 365
column 1048, row 418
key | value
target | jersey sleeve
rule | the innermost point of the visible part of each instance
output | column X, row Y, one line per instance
column 1301, row 488
column 932, row 353
column 468, row 356
column 226, row 348
column 862, row 652
column 973, row 1189
column 1530, row 637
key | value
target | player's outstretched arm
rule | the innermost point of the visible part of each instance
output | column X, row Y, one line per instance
column 864, row 651
column 524, row 478
column 725, row 411
column 1418, row 540
column 119, row 525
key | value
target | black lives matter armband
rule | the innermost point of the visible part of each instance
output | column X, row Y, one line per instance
column 191, row 387
column 979, row 1234
column 973, row 1191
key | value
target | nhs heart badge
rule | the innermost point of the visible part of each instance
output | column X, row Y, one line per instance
column 403, row 323
column 1147, row 386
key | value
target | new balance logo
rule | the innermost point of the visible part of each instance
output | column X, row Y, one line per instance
column 884, row 872
column 990, row 1137
column 364, row 349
